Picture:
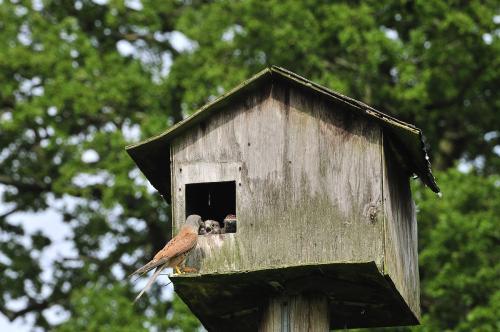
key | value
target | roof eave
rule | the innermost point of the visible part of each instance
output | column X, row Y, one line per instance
column 152, row 155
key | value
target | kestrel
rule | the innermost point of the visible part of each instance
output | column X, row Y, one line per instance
column 212, row 227
column 174, row 253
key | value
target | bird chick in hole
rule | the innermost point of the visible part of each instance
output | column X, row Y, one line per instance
column 212, row 227
column 202, row 230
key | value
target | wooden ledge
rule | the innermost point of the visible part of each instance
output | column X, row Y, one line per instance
column 359, row 295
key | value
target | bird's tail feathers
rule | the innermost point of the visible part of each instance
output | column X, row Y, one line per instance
column 150, row 282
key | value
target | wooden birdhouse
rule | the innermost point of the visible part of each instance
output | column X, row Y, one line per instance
column 319, row 186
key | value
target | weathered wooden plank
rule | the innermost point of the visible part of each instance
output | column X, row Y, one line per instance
column 310, row 180
column 401, row 251
column 296, row 313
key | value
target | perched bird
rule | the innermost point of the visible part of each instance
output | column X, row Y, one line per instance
column 174, row 253
column 212, row 227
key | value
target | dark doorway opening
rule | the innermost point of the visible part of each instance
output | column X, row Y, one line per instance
column 212, row 200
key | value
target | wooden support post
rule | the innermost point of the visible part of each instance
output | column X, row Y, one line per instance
column 296, row 313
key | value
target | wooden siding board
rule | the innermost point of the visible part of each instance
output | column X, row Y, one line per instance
column 401, row 251
column 309, row 176
column 296, row 313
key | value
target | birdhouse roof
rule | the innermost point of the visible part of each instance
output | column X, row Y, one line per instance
column 152, row 155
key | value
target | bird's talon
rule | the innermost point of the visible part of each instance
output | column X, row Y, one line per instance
column 189, row 270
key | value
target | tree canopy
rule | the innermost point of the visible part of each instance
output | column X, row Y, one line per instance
column 82, row 79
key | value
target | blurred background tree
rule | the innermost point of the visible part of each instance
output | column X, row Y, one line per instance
column 82, row 79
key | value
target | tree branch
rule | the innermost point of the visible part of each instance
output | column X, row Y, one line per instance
column 25, row 186
column 8, row 213
column 150, row 38
column 39, row 187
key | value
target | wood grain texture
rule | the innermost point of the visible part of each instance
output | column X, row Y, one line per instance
column 308, row 313
column 401, row 250
column 310, row 180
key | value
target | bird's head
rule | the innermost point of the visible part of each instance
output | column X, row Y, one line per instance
column 212, row 227
column 194, row 221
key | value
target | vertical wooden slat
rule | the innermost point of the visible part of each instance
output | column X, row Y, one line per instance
column 308, row 313
column 400, row 248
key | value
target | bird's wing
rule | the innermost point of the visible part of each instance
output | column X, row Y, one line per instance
column 149, row 266
column 180, row 244
column 151, row 280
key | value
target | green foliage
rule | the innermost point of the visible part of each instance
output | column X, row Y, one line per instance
column 108, row 308
column 459, row 256
column 103, row 309
column 182, row 318
column 70, row 102
column 458, row 253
